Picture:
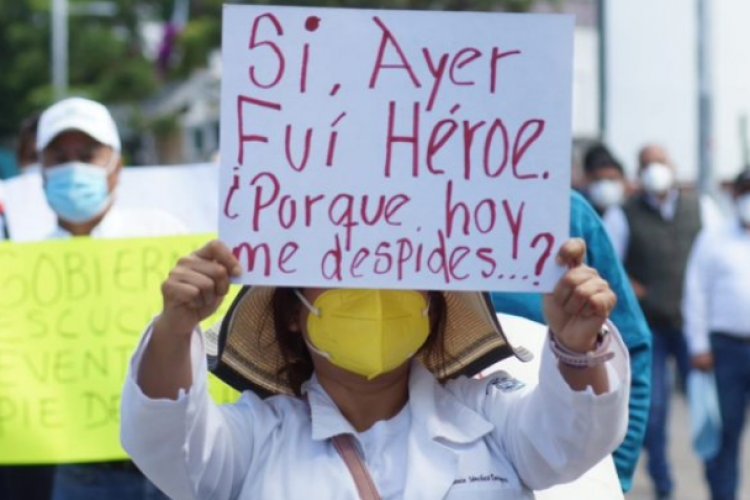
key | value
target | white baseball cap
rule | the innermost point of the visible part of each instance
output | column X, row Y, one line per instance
column 77, row 113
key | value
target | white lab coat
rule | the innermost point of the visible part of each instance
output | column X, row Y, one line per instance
column 475, row 439
column 598, row 483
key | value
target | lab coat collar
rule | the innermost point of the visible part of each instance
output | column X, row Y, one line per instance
column 442, row 415
column 326, row 419
column 434, row 410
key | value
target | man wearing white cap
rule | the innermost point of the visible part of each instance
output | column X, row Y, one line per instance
column 79, row 149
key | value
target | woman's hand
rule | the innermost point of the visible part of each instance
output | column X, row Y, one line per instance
column 581, row 301
column 195, row 288
column 193, row 291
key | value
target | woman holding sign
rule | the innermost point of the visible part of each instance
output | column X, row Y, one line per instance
column 360, row 393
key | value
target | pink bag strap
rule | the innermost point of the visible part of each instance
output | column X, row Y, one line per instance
column 344, row 444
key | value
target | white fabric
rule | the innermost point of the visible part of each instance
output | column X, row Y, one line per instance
column 188, row 192
column 717, row 286
column 601, row 481
column 388, row 469
column 131, row 223
column 616, row 222
column 467, row 439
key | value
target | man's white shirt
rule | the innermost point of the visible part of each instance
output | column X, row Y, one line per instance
column 717, row 286
column 131, row 223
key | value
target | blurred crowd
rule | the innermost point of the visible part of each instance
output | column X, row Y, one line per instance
column 688, row 265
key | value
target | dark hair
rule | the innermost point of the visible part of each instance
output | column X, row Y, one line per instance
column 598, row 157
column 742, row 181
column 298, row 365
column 26, row 149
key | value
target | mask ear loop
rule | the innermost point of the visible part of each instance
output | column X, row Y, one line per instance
column 313, row 310
column 315, row 349
column 426, row 314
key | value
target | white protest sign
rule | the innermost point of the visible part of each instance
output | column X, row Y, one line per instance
column 395, row 149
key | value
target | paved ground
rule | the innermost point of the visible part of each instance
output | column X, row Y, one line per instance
column 687, row 468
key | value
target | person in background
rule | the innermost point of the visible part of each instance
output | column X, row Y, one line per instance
column 79, row 148
column 26, row 156
column 653, row 233
column 605, row 185
column 78, row 145
column 27, row 161
column 659, row 193
column 24, row 482
column 716, row 308
column 586, row 224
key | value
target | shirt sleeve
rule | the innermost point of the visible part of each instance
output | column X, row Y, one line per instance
column 553, row 434
column 190, row 447
column 696, row 296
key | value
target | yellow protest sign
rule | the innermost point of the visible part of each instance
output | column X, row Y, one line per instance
column 71, row 314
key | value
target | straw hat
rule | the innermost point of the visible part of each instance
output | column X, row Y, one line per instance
column 243, row 351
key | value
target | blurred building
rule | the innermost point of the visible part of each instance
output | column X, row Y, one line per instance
column 652, row 84
column 184, row 119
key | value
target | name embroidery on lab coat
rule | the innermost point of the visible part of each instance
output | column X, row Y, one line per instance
column 504, row 383
column 480, row 478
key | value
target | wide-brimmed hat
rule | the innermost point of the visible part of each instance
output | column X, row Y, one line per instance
column 244, row 353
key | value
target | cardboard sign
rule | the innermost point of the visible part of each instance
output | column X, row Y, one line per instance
column 395, row 149
column 71, row 315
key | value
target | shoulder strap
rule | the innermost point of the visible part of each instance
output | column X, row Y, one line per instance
column 344, row 444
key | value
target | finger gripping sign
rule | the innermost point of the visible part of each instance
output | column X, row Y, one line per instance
column 395, row 149
column 71, row 315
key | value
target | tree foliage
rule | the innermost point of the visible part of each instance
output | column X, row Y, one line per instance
column 203, row 33
column 106, row 56
column 105, row 60
column 24, row 65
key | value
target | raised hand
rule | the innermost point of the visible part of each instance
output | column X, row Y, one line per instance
column 581, row 301
column 196, row 287
column 192, row 292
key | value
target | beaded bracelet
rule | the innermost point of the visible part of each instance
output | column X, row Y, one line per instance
column 601, row 354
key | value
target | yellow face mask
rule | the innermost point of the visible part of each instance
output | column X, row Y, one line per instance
column 367, row 332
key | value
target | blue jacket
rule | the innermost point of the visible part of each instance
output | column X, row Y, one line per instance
column 586, row 224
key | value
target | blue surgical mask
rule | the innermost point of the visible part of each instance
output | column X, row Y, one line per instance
column 77, row 191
